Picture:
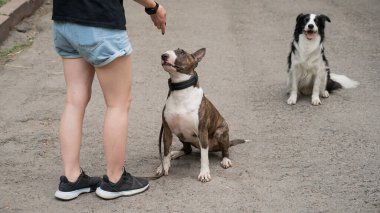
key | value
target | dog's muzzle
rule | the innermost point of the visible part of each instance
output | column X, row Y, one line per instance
column 164, row 60
column 310, row 32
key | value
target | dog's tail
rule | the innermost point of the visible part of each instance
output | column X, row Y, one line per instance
column 237, row 141
column 340, row 81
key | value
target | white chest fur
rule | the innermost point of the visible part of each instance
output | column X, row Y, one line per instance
column 308, row 53
column 181, row 112
column 307, row 64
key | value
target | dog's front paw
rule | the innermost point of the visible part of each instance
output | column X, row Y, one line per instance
column 226, row 163
column 204, row 176
column 315, row 101
column 160, row 172
column 166, row 162
column 292, row 100
column 325, row 94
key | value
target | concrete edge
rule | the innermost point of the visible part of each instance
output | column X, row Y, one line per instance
column 15, row 11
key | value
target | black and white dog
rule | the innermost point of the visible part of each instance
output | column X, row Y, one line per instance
column 308, row 69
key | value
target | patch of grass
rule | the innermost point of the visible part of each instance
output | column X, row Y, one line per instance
column 5, row 55
column 2, row 2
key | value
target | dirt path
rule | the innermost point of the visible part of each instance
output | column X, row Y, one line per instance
column 301, row 158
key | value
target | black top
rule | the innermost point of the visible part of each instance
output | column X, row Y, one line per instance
column 97, row 13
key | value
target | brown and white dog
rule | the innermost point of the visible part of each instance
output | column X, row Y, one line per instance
column 190, row 116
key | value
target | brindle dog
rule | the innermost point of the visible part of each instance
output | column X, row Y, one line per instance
column 190, row 116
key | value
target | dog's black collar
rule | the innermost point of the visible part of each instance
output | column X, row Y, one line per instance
column 184, row 84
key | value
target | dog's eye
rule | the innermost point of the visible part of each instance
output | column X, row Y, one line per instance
column 182, row 52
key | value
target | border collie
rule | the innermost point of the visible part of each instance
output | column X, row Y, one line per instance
column 308, row 69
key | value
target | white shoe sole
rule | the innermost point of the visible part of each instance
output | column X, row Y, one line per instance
column 71, row 195
column 111, row 195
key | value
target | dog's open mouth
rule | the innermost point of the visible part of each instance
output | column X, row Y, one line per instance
column 310, row 34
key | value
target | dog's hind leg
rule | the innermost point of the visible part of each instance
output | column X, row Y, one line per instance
column 226, row 162
column 323, row 90
column 325, row 94
column 176, row 154
column 222, row 137
column 184, row 151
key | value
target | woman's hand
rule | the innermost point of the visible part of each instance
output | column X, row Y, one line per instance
column 159, row 19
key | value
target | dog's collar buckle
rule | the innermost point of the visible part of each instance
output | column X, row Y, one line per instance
column 184, row 84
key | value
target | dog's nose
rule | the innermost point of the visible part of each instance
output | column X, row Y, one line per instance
column 164, row 56
column 310, row 26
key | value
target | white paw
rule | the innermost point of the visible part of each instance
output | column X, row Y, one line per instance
column 226, row 163
column 292, row 100
column 176, row 154
column 204, row 176
column 315, row 101
column 166, row 167
column 325, row 94
column 159, row 170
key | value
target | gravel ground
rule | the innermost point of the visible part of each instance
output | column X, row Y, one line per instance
column 300, row 158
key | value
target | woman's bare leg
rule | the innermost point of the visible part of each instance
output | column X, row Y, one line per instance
column 79, row 76
column 116, row 82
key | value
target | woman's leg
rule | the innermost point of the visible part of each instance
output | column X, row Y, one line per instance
column 79, row 76
column 116, row 82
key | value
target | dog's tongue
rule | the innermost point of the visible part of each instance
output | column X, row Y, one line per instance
column 310, row 35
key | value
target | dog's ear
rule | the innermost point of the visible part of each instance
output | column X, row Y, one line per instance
column 299, row 17
column 199, row 54
column 324, row 18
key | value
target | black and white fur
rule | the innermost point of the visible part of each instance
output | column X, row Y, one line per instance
column 308, row 70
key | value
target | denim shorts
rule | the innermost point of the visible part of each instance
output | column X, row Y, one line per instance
column 98, row 46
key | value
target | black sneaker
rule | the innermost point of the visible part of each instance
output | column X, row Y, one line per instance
column 69, row 190
column 128, row 185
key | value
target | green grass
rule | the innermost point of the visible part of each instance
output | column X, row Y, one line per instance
column 6, row 54
column 2, row 2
